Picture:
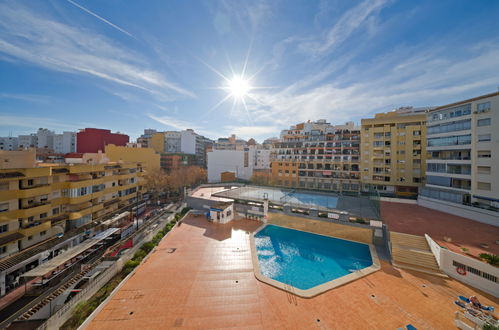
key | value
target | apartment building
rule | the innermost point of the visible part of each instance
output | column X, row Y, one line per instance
column 40, row 201
column 171, row 145
column 95, row 139
column 393, row 151
column 230, row 143
column 463, row 153
column 318, row 155
column 9, row 143
column 145, row 138
column 64, row 143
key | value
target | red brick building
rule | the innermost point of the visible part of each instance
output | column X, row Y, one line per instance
column 95, row 139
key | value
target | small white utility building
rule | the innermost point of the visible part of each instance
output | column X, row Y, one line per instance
column 222, row 212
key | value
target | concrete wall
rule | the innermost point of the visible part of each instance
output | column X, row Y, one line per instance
column 445, row 259
column 229, row 161
column 363, row 235
column 473, row 213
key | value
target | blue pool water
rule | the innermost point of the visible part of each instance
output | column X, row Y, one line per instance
column 305, row 260
column 283, row 196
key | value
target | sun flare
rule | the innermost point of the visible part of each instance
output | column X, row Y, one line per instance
column 239, row 87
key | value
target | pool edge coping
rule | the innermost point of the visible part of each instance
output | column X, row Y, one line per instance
column 316, row 290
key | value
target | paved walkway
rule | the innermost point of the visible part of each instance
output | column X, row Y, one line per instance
column 418, row 220
column 208, row 282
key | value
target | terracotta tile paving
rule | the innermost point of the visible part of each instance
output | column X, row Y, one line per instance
column 418, row 220
column 195, row 288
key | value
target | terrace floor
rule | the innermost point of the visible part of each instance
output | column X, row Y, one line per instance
column 208, row 282
column 417, row 220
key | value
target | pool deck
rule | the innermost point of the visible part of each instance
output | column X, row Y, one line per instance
column 208, row 282
column 418, row 220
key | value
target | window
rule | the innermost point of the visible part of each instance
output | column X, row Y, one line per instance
column 449, row 140
column 30, row 238
column 30, row 182
column 483, row 107
column 3, row 249
column 484, row 154
column 483, row 186
column 4, row 207
column 483, row 169
column 42, row 233
column 43, row 215
column 483, row 137
column 55, row 211
column 483, row 122
column 4, row 228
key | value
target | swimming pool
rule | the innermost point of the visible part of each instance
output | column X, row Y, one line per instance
column 281, row 196
column 304, row 260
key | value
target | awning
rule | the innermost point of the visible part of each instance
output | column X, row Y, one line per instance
column 10, row 238
column 61, row 259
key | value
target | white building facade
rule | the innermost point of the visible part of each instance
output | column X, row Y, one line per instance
column 9, row 143
column 463, row 164
column 65, row 143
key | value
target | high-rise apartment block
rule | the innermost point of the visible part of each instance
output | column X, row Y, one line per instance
column 318, row 155
column 463, row 148
column 393, row 151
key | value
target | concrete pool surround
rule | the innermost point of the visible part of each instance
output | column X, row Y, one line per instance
column 316, row 290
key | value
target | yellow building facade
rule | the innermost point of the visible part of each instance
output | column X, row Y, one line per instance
column 146, row 156
column 393, row 151
column 40, row 202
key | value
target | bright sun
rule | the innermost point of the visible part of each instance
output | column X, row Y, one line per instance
column 239, row 87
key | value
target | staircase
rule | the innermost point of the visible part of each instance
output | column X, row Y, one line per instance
column 413, row 253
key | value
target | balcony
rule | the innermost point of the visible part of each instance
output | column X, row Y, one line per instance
column 35, row 229
column 59, row 218
column 32, row 191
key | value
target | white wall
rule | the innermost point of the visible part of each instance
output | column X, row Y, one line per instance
column 229, row 160
column 262, row 159
column 445, row 260
column 188, row 142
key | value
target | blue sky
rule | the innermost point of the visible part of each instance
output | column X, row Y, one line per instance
column 129, row 65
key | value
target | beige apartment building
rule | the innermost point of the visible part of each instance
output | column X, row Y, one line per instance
column 463, row 164
column 40, row 201
column 317, row 155
column 393, row 151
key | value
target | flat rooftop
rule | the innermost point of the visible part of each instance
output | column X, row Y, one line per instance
column 418, row 220
column 208, row 282
column 207, row 192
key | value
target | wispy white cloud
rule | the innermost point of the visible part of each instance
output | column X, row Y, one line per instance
column 33, row 98
column 35, row 122
column 255, row 131
column 344, row 27
column 101, row 18
column 173, row 122
column 57, row 46
column 427, row 77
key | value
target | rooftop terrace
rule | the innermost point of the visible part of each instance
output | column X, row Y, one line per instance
column 208, row 282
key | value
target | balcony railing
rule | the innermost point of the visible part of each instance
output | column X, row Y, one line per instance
column 34, row 186
column 32, row 205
